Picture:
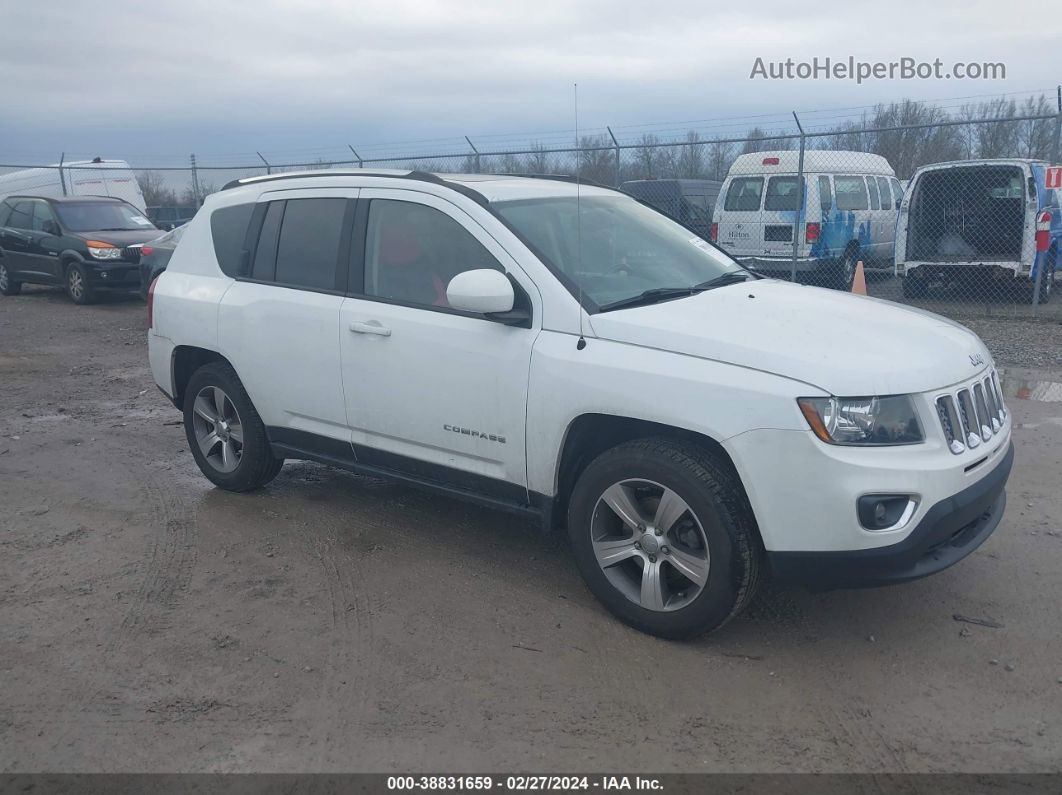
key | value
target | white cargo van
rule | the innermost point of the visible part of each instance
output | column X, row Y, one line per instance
column 984, row 221
column 850, row 206
column 96, row 177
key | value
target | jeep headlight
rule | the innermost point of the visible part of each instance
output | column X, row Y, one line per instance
column 863, row 420
column 101, row 250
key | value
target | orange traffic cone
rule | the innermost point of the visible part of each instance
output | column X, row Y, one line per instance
column 859, row 281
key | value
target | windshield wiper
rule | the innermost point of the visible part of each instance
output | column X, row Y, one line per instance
column 117, row 229
column 653, row 296
column 724, row 279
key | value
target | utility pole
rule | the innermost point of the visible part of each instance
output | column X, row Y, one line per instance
column 195, row 183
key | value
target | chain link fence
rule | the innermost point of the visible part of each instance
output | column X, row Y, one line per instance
column 955, row 213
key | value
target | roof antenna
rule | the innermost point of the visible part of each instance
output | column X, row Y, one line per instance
column 578, row 224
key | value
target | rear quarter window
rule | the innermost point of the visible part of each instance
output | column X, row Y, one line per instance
column 228, row 226
column 783, row 193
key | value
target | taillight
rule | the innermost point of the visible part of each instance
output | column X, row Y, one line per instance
column 1043, row 231
column 146, row 251
column 770, row 161
column 715, row 232
column 811, row 233
column 151, row 302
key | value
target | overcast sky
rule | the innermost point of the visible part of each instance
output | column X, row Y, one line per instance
column 153, row 81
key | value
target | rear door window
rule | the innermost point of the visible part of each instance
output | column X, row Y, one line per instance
column 42, row 214
column 309, row 243
column 783, row 193
column 744, row 194
column 851, row 193
column 21, row 216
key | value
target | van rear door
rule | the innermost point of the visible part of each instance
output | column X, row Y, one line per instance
column 740, row 220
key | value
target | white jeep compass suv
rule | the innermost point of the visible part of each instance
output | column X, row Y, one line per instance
column 565, row 351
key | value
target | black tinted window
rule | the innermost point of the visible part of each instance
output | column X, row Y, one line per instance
column 265, row 255
column 308, row 249
column 5, row 211
column 21, row 216
column 744, row 194
column 783, row 193
column 228, row 225
column 412, row 251
column 825, row 193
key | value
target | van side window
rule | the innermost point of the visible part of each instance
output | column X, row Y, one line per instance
column 897, row 191
column 851, row 193
column 308, row 247
column 744, row 194
column 783, row 193
column 21, row 216
column 874, row 203
column 883, row 187
column 228, row 226
column 825, row 193
column 412, row 251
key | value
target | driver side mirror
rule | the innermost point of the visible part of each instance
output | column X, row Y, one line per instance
column 486, row 292
column 51, row 227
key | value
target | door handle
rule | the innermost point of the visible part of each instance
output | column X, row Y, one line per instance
column 370, row 327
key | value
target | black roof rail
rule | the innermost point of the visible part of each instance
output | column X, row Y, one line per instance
column 420, row 176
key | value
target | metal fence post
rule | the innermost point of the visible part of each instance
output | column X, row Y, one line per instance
column 62, row 179
column 616, row 144
column 800, row 193
column 361, row 163
column 269, row 168
column 475, row 151
column 195, row 183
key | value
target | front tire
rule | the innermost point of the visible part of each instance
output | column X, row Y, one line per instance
column 225, row 434
column 77, row 284
column 8, row 286
column 664, row 537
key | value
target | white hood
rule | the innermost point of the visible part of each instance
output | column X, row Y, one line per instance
column 845, row 344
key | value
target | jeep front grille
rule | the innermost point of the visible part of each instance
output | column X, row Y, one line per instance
column 972, row 414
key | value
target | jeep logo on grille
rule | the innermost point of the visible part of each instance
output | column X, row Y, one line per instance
column 976, row 359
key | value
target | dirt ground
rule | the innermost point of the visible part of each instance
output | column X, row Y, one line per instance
column 150, row 622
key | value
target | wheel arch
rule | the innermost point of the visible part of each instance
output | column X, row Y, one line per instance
column 591, row 434
column 184, row 361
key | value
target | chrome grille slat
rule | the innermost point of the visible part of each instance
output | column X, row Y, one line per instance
column 972, row 414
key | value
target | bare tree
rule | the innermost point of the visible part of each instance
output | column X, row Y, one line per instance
column 156, row 192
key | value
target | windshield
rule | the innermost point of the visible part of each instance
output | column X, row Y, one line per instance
column 102, row 217
column 627, row 248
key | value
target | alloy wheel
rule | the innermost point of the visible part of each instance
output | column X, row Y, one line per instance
column 76, row 283
column 650, row 544
column 218, row 429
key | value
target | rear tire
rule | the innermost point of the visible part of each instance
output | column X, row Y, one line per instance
column 701, row 568
column 225, row 434
column 842, row 274
column 78, row 289
column 8, row 286
column 1047, row 281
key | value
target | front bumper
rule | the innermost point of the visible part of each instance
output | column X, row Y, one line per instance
column 117, row 275
column 949, row 531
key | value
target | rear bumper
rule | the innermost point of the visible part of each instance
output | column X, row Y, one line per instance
column 951, row 529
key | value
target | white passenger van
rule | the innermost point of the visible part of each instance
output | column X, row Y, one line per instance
column 850, row 207
column 972, row 221
column 569, row 353
column 96, row 177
